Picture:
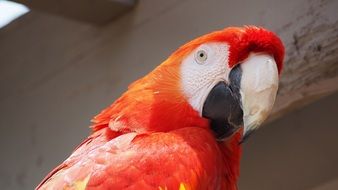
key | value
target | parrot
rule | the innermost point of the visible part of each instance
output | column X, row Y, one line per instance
column 182, row 125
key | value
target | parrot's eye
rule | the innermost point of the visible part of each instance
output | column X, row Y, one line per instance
column 201, row 57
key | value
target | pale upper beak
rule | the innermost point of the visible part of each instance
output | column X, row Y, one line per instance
column 259, row 85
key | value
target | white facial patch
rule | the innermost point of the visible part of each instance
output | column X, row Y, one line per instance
column 202, row 69
column 259, row 85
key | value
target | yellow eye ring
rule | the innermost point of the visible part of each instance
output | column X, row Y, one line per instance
column 201, row 56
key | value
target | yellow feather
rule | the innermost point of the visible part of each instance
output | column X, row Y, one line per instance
column 182, row 187
column 81, row 184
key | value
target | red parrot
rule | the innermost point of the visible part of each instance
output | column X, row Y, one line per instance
column 181, row 126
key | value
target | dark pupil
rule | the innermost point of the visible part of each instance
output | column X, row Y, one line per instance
column 201, row 54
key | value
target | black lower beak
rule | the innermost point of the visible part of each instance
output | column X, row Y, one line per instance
column 223, row 108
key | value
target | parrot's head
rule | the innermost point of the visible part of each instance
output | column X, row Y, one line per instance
column 230, row 77
column 226, row 80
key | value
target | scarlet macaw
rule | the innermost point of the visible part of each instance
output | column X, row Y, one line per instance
column 181, row 126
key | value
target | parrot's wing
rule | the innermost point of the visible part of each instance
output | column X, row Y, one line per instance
column 186, row 158
column 54, row 179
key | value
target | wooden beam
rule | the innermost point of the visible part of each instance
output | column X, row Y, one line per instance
column 96, row 12
column 311, row 65
column 333, row 184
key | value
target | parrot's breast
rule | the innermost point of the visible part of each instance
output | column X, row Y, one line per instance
column 187, row 158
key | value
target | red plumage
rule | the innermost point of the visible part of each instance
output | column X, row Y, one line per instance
column 151, row 138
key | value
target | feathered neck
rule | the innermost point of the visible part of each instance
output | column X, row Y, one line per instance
column 153, row 103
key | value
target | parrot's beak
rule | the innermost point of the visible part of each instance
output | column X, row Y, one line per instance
column 259, row 85
column 245, row 100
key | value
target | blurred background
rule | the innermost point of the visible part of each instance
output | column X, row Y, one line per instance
column 62, row 62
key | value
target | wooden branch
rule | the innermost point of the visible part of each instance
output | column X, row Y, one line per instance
column 311, row 66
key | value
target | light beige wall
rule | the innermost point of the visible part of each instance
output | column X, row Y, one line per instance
column 55, row 74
